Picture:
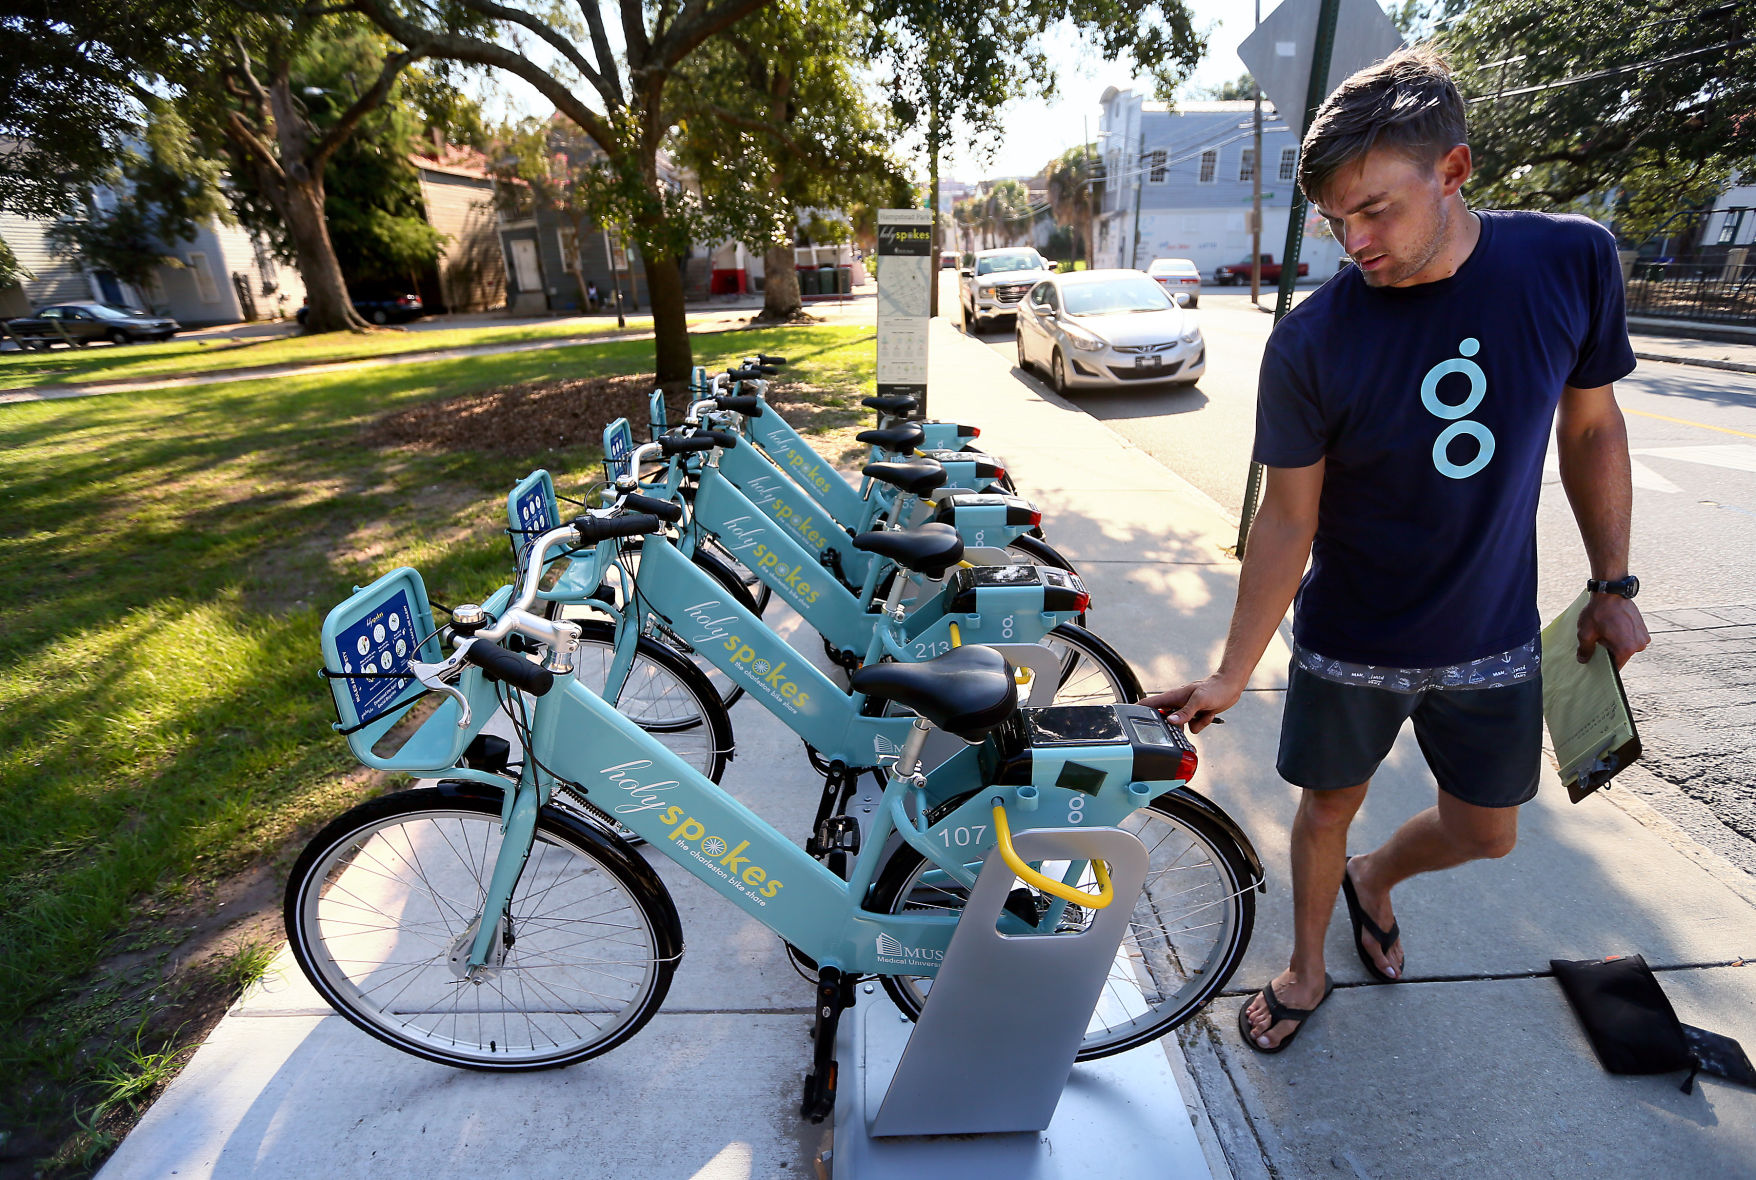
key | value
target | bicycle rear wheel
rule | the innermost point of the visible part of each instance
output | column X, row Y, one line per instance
column 386, row 897
column 1189, row 930
column 1092, row 672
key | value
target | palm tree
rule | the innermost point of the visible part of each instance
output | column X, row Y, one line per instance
column 1076, row 186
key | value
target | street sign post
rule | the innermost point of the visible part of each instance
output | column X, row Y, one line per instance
column 905, row 301
column 1302, row 52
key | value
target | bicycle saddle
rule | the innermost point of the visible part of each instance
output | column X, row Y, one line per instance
column 968, row 691
column 930, row 549
column 915, row 476
column 899, row 405
column 900, row 439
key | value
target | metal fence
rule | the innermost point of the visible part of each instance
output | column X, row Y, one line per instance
column 1715, row 292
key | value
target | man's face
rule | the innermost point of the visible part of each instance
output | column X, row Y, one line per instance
column 1392, row 215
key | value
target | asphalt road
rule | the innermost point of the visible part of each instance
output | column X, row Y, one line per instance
column 1692, row 434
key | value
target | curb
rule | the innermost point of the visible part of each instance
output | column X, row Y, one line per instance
column 1701, row 362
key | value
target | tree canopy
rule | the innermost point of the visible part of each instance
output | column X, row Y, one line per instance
column 1575, row 104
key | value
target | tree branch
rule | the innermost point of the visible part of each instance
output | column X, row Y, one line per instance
column 461, row 47
column 560, row 44
column 600, row 45
column 367, row 102
column 695, row 23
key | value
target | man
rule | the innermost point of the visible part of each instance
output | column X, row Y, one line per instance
column 1403, row 416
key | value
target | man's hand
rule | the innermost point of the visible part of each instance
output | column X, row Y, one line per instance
column 1615, row 622
column 1196, row 705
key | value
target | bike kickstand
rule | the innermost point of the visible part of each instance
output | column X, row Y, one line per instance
column 835, row 993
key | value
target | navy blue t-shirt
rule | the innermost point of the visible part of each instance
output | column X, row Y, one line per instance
column 1432, row 407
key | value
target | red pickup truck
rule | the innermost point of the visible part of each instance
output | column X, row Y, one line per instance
column 1239, row 272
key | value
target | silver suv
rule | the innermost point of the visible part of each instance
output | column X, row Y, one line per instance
column 991, row 283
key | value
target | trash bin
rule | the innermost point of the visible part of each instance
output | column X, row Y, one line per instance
column 826, row 279
column 844, row 279
column 807, row 280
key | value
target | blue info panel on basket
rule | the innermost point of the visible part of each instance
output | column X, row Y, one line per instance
column 382, row 641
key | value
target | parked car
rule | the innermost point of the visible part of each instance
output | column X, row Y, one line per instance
column 1109, row 328
column 1178, row 274
column 992, row 282
column 87, row 321
column 397, row 310
column 1239, row 272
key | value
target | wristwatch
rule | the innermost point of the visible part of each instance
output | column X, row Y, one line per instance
column 1626, row 587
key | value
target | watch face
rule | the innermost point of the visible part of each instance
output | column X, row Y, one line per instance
column 1630, row 586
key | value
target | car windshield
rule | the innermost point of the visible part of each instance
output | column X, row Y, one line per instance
column 1119, row 296
column 105, row 312
column 1005, row 262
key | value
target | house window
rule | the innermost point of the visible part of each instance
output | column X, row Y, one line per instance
column 1289, row 163
column 1155, row 166
column 1728, row 228
column 1209, row 165
column 203, row 278
column 1247, row 164
column 569, row 249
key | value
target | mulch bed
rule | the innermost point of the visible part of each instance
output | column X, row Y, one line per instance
column 522, row 420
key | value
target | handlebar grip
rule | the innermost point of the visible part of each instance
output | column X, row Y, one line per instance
column 507, row 667
column 592, row 529
column 747, row 404
column 688, row 445
column 722, row 439
column 746, row 374
column 665, row 510
column 764, row 359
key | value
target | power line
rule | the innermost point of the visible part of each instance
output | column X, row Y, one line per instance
column 1614, row 71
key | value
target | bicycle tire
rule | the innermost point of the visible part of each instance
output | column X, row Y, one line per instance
column 665, row 694
column 1149, row 960
column 1092, row 672
column 572, row 1011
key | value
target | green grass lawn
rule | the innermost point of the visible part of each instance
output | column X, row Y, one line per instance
column 189, row 357
column 165, row 562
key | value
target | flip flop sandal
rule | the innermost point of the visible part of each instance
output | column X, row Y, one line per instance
column 1278, row 1012
column 1362, row 921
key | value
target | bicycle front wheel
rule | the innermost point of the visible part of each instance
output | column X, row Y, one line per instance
column 384, row 902
column 1190, row 926
column 665, row 694
column 1092, row 672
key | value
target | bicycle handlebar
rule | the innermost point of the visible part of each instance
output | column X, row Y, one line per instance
column 665, row 510
column 509, row 667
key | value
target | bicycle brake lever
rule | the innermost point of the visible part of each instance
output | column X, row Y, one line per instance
column 431, row 676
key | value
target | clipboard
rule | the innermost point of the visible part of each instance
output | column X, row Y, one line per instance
column 1586, row 708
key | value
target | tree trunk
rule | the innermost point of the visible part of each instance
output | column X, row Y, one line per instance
column 670, row 327
column 326, row 293
column 780, row 285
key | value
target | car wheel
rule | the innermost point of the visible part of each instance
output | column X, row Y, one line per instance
column 1058, row 373
column 1194, row 303
column 381, row 316
column 118, row 336
column 1023, row 361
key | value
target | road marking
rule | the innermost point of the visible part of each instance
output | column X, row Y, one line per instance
column 1735, row 456
column 1686, row 422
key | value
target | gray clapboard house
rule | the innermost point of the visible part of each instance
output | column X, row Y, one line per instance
column 1179, row 185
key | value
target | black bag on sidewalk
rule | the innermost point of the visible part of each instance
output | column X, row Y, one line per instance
column 1635, row 1030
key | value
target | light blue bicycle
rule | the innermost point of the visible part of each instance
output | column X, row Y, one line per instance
column 477, row 924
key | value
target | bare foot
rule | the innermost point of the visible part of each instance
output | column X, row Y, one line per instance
column 1293, row 990
column 1376, row 902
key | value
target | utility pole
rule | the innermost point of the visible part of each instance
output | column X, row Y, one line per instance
column 1256, row 193
column 1090, row 214
column 1139, row 179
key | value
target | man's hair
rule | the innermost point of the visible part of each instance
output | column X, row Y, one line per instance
column 1407, row 102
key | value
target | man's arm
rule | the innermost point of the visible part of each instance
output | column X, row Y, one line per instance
column 1592, row 441
column 1274, row 561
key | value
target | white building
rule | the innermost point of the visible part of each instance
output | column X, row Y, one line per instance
column 1179, row 185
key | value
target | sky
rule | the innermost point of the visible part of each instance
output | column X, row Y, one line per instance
column 1036, row 130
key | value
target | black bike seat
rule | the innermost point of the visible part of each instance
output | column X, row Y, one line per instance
column 968, row 691
column 897, row 405
column 930, row 549
column 899, row 439
column 915, row 476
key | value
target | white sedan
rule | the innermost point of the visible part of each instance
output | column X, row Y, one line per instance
column 1107, row 329
column 1177, row 274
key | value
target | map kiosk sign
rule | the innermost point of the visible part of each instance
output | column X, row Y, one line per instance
column 905, row 277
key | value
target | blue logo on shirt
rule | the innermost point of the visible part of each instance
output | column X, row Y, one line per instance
column 1460, row 426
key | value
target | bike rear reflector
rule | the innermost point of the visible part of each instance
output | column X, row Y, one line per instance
column 1036, row 516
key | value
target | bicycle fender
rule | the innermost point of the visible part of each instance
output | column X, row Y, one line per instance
column 1223, row 820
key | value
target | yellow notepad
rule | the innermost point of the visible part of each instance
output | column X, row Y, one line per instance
column 1585, row 707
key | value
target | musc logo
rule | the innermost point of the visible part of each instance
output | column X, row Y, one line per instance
column 1460, row 426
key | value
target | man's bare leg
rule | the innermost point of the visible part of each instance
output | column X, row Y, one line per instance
column 1441, row 837
column 1319, row 848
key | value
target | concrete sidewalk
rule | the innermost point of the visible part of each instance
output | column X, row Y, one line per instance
column 1683, row 350
column 1473, row 1067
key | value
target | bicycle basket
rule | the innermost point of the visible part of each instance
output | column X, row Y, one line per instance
column 366, row 640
